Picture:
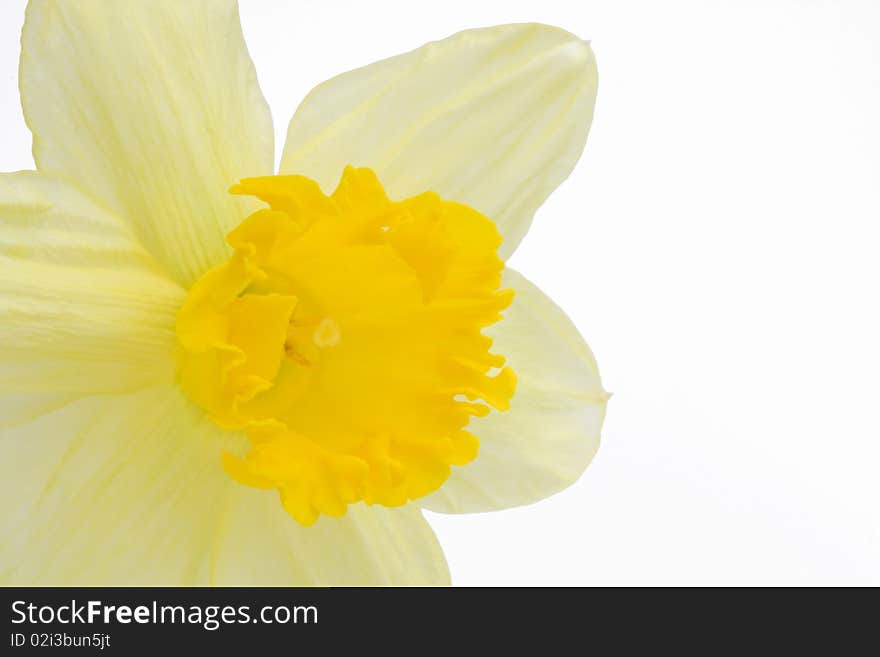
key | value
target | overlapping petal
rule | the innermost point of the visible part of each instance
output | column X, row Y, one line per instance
column 84, row 309
column 551, row 432
column 154, row 110
column 495, row 118
column 262, row 545
column 128, row 489
column 111, row 490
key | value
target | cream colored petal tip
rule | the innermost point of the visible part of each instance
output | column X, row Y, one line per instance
column 495, row 118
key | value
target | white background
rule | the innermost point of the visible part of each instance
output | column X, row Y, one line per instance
column 716, row 245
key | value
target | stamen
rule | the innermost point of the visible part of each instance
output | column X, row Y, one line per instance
column 327, row 334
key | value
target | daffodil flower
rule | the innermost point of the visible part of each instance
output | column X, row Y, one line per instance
column 211, row 374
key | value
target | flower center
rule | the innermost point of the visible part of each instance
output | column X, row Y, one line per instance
column 343, row 337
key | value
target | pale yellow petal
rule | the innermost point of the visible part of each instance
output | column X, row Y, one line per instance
column 83, row 307
column 154, row 109
column 551, row 432
column 129, row 490
column 112, row 490
column 262, row 545
column 495, row 118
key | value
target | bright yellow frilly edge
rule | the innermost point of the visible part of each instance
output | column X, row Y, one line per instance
column 344, row 338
